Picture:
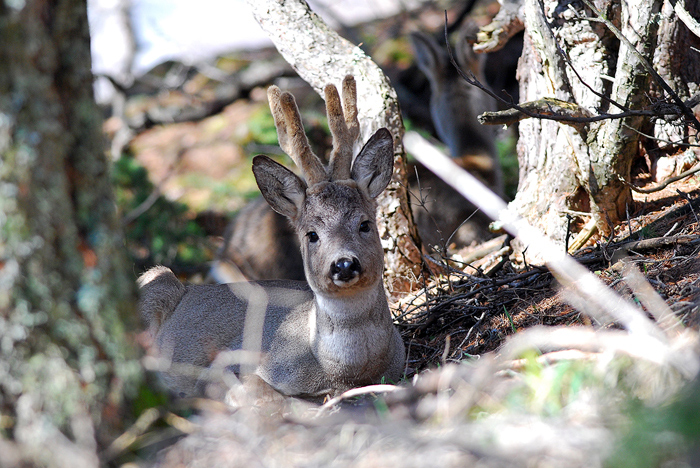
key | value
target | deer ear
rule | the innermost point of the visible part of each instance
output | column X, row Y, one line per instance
column 284, row 190
column 374, row 165
column 430, row 58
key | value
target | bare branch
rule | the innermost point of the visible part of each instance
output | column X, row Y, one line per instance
column 666, row 182
column 668, row 142
column 691, row 23
column 569, row 272
column 562, row 111
column 553, row 109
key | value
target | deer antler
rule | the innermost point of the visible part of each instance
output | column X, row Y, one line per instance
column 291, row 136
column 343, row 123
column 344, row 126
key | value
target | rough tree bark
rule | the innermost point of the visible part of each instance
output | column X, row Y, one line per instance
column 66, row 293
column 586, row 167
column 320, row 56
column 678, row 62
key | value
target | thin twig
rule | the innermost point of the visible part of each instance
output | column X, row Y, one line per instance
column 665, row 183
column 602, row 96
column 568, row 271
column 662, row 140
column 156, row 193
column 532, row 109
column 355, row 392
column 690, row 203
column 508, row 116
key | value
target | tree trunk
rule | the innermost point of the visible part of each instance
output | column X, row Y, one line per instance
column 586, row 167
column 320, row 56
column 66, row 294
column 678, row 62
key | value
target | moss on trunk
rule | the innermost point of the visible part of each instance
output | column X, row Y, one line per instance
column 66, row 294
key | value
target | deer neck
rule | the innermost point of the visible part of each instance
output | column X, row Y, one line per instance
column 347, row 311
column 351, row 334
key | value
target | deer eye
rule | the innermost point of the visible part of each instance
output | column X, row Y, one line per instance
column 313, row 237
column 364, row 226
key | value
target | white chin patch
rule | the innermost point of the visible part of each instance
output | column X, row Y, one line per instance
column 345, row 284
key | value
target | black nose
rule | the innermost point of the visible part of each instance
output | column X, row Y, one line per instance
column 345, row 269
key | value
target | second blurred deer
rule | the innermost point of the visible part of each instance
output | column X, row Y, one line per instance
column 259, row 244
column 439, row 211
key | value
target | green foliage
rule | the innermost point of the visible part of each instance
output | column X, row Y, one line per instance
column 381, row 408
column 149, row 397
column 660, row 436
column 392, row 52
column 508, row 157
column 166, row 233
column 549, row 388
column 648, row 232
column 510, row 320
column 262, row 127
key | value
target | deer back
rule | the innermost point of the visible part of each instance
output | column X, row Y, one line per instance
column 258, row 244
column 316, row 337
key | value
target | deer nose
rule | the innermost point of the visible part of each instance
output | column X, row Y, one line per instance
column 345, row 269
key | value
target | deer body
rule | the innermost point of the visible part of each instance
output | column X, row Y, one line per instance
column 259, row 244
column 322, row 336
column 455, row 104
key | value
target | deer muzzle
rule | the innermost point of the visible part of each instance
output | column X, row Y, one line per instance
column 346, row 271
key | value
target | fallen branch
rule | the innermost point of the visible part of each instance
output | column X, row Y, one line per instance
column 649, row 244
column 355, row 392
column 665, row 183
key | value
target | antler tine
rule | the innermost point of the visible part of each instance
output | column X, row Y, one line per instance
column 273, row 97
column 344, row 126
column 291, row 136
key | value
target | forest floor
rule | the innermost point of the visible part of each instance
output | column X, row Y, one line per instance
column 661, row 237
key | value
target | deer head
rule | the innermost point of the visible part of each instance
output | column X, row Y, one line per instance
column 331, row 208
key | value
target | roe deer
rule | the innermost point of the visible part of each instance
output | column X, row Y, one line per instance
column 260, row 244
column 318, row 337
